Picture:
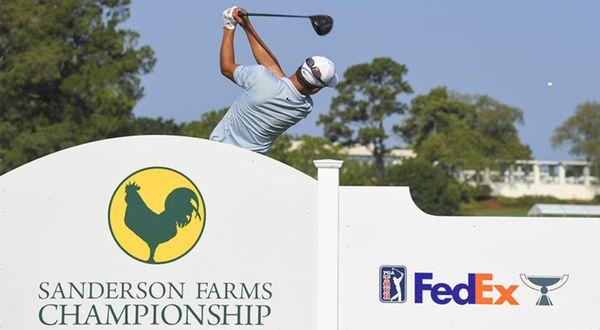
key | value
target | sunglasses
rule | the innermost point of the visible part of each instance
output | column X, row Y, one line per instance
column 315, row 71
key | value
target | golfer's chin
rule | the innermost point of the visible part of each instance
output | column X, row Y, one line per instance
column 302, row 88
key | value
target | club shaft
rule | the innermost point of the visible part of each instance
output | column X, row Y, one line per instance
column 273, row 15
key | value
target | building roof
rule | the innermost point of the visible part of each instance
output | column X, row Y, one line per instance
column 364, row 151
column 360, row 150
column 564, row 210
column 553, row 162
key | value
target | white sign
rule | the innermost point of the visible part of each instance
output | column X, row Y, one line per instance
column 157, row 232
column 178, row 233
column 403, row 268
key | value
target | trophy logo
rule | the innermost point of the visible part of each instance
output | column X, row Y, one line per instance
column 544, row 284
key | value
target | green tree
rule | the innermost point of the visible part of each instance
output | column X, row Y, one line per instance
column 300, row 152
column 357, row 173
column 68, row 75
column 154, row 126
column 463, row 131
column 432, row 114
column 457, row 146
column 581, row 132
column 203, row 127
column 441, row 129
column 496, row 125
column 431, row 188
column 367, row 95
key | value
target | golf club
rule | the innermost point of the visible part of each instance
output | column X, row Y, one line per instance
column 322, row 24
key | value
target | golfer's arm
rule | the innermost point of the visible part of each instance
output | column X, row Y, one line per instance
column 261, row 52
column 227, row 54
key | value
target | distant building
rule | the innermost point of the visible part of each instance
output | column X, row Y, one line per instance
column 365, row 155
column 560, row 179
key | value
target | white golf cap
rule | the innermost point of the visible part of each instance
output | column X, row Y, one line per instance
column 321, row 65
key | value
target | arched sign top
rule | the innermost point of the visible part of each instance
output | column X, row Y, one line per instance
column 164, row 148
column 177, row 232
column 157, row 230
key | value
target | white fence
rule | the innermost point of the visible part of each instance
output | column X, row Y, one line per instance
column 560, row 179
column 243, row 241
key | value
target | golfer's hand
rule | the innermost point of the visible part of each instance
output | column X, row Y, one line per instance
column 238, row 19
column 228, row 21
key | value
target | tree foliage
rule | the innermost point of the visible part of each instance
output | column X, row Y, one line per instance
column 462, row 131
column 581, row 132
column 441, row 129
column 496, row 124
column 197, row 128
column 357, row 173
column 431, row 188
column 432, row 114
column 300, row 152
column 154, row 126
column 203, row 127
column 367, row 95
column 68, row 75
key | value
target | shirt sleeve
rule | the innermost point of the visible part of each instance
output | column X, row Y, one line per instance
column 246, row 76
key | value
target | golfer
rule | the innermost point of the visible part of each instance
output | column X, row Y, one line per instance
column 397, row 282
column 271, row 102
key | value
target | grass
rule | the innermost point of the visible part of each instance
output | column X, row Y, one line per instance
column 492, row 208
column 499, row 213
column 512, row 207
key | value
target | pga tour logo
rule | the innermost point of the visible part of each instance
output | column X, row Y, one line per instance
column 392, row 284
column 478, row 289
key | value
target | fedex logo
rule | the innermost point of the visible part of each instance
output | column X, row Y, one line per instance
column 479, row 289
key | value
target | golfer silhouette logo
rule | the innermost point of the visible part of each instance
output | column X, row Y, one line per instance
column 392, row 284
column 397, row 279
column 156, row 215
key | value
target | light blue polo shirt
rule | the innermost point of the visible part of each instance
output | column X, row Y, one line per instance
column 268, row 107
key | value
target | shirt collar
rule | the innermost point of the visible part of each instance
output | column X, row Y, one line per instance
column 293, row 88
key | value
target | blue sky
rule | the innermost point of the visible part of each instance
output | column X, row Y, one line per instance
column 507, row 49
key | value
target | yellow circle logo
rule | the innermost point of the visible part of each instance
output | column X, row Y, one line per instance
column 157, row 215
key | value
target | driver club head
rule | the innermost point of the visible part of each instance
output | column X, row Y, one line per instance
column 322, row 24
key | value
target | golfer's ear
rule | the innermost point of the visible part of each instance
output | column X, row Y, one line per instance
column 276, row 70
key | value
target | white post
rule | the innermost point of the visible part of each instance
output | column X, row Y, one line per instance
column 536, row 173
column 586, row 175
column 562, row 170
column 328, row 244
column 487, row 176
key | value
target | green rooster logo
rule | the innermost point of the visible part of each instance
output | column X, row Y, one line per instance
column 157, row 215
